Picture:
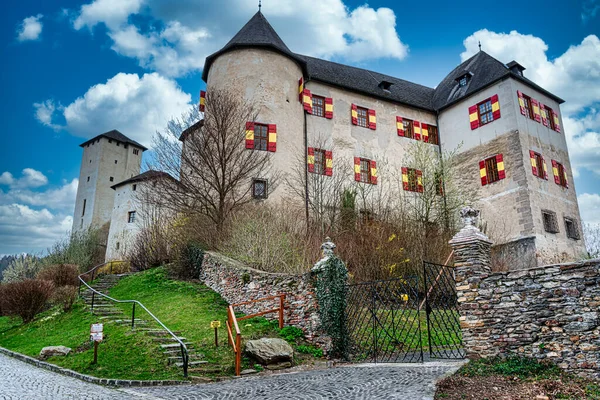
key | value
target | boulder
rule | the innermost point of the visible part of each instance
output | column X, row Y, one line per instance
column 270, row 350
column 54, row 351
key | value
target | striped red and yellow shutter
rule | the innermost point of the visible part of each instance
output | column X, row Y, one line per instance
column 522, row 103
column 534, row 166
column 328, row 163
column 354, row 114
column 328, row 107
column 545, row 169
column 272, row 140
column 565, row 176
column 357, row 169
column 372, row 120
column 535, row 105
column 300, row 89
column 202, row 101
column 419, row 181
column 404, row 178
column 310, row 159
column 425, row 132
column 544, row 112
column 307, row 101
column 555, row 172
column 473, row 117
column 249, row 135
column 482, row 173
column 373, row 172
column 417, row 129
column 399, row 126
column 500, row 165
column 556, row 121
column 495, row 107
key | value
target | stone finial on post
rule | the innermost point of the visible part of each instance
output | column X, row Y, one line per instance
column 327, row 249
column 472, row 262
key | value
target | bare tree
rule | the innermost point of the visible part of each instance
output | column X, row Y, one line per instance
column 591, row 234
column 214, row 167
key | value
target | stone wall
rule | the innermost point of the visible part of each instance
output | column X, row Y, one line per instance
column 548, row 313
column 237, row 283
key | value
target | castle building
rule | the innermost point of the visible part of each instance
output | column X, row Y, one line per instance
column 108, row 158
column 513, row 155
column 508, row 132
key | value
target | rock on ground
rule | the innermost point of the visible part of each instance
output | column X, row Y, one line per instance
column 270, row 350
column 54, row 351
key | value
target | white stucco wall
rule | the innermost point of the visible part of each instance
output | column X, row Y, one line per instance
column 121, row 230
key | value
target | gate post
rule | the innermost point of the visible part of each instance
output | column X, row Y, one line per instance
column 472, row 263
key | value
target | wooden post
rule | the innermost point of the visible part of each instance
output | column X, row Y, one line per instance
column 281, row 303
column 216, row 337
column 238, row 354
column 95, row 352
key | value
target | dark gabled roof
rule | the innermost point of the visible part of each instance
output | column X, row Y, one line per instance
column 145, row 176
column 368, row 82
column 190, row 129
column 485, row 70
column 257, row 32
column 115, row 135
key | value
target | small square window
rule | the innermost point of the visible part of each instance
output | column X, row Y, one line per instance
column 528, row 108
column 118, row 245
column 116, row 161
column 318, row 106
column 111, row 179
column 408, row 126
column 539, row 162
column 109, row 141
column 434, row 137
column 463, row 81
column 131, row 216
column 362, row 117
column 134, row 187
column 413, row 183
column 136, row 151
column 562, row 175
column 491, row 167
column 550, row 116
column 88, row 178
column 118, row 144
column 572, row 229
column 320, row 161
column 259, row 188
column 365, row 170
column 484, row 109
column 550, row 222
column 261, row 137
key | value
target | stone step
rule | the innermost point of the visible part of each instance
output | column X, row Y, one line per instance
column 174, row 345
column 167, row 339
column 207, row 369
column 192, row 357
column 191, row 363
column 176, row 352
column 160, row 332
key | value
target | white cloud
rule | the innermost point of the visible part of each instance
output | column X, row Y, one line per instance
column 590, row 9
column 137, row 107
column 189, row 31
column 573, row 76
column 62, row 197
column 30, row 28
column 30, row 178
column 44, row 112
column 112, row 13
column 589, row 206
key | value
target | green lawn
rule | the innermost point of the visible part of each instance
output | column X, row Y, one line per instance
column 182, row 306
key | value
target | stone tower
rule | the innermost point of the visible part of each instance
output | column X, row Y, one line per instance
column 109, row 158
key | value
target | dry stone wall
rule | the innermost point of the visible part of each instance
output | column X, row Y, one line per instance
column 237, row 283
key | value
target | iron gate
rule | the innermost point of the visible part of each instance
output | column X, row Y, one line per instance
column 404, row 319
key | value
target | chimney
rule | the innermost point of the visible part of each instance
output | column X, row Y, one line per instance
column 516, row 67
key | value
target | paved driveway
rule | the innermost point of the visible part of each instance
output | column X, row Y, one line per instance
column 383, row 381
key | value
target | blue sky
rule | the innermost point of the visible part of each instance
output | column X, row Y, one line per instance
column 74, row 69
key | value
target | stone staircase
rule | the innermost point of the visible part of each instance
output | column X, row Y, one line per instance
column 108, row 312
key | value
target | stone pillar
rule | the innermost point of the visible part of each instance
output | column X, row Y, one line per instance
column 472, row 263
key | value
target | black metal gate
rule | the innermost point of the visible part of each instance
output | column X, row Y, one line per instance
column 404, row 319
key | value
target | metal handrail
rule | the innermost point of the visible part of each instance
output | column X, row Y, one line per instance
column 184, row 350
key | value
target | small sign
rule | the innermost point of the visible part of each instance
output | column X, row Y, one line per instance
column 215, row 324
column 97, row 328
column 97, row 336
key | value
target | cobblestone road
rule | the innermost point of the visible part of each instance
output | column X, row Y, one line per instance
column 410, row 382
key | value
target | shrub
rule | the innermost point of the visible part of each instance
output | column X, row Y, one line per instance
column 25, row 298
column 152, row 246
column 189, row 262
column 314, row 351
column 22, row 268
column 291, row 333
column 85, row 249
column 60, row 275
column 65, row 296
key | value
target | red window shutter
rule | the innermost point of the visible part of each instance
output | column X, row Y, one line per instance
column 544, row 113
column 473, row 117
column 565, row 176
column 500, row 165
column 556, row 121
column 357, row 169
column 272, row 140
column 328, row 163
column 534, row 166
column 535, row 105
column 300, row 89
column 399, row 126
column 417, row 129
column 555, row 172
column 310, row 159
column 545, row 169
column 425, row 132
column 521, row 103
column 354, row 114
column 495, row 107
column 373, row 172
column 202, row 101
column 328, row 107
column 420, row 181
column 372, row 120
column 404, row 178
column 249, row 135
column 307, row 101
column 482, row 173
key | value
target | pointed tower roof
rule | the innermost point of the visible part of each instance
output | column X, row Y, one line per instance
column 257, row 32
column 115, row 135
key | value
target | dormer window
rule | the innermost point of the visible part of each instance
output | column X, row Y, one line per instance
column 463, row 81
column 385, row 85
column 516, row 68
